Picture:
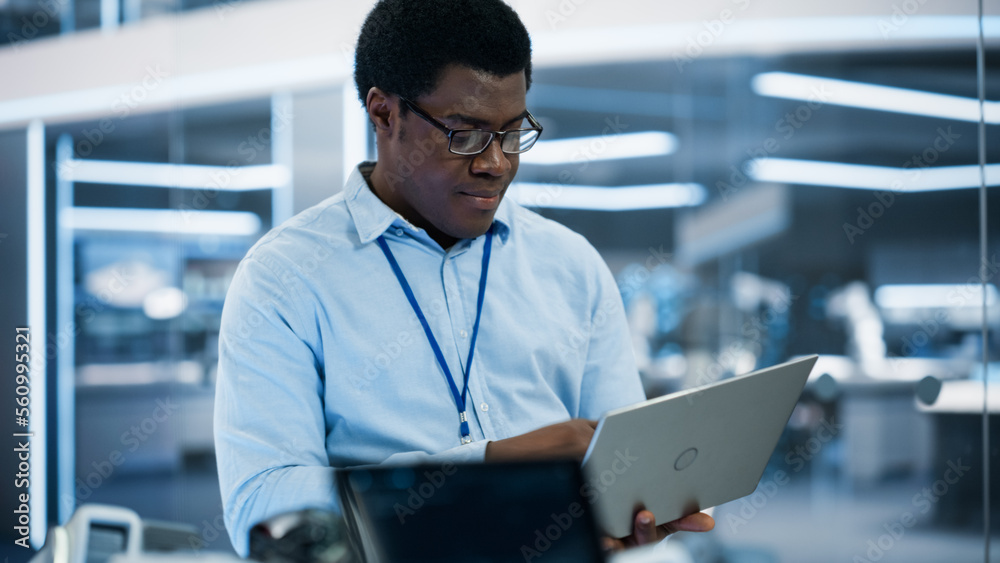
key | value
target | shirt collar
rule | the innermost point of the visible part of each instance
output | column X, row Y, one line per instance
column 372, row 217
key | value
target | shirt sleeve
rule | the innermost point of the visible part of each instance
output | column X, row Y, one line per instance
column 269, row 423
column 610, row 379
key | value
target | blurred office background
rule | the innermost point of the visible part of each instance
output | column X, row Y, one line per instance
column 766, row 178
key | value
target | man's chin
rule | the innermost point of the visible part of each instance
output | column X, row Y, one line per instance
column 473, row 231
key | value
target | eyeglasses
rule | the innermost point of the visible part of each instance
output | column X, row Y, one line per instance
column 470, row 142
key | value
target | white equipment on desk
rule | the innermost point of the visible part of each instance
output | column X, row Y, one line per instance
column 95, row 532
column 101, row 533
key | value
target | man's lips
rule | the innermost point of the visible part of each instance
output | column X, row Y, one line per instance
column 485, row 194
column 483, row 199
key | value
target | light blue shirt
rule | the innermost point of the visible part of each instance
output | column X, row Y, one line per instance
column 323, row 363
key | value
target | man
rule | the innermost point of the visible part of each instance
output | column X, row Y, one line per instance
column 417, row 316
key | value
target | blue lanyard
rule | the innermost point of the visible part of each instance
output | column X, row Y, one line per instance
column 459, row 397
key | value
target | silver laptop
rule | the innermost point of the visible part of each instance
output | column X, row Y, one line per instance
column 691, row 450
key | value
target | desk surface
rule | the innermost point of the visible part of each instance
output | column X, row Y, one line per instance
column 964, row 397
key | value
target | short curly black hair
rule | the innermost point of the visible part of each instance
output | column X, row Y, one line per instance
column 405, row 44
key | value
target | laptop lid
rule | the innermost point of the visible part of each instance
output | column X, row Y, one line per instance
column 691, row 450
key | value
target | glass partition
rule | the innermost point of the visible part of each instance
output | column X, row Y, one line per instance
column 820, row 200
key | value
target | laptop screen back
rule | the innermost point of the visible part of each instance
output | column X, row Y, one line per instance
column 519, row 512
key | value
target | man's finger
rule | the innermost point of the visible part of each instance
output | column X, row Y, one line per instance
column 697, row 522
column 645, row 528
column 611, row 545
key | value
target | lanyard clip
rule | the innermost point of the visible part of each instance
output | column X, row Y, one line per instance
column 464, row 427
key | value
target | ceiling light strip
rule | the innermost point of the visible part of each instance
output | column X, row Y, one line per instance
column 576, row 150
column 864, row 177
column 926, row 296
column 600, row 198
column 872, row 96
column 169, row 221
column 161, row 175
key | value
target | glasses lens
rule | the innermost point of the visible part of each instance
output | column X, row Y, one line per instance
column 519, row 140
column 470, row 142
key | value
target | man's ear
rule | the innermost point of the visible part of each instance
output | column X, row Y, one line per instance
column 382, row 109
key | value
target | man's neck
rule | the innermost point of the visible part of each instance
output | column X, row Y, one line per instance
column 378, row 185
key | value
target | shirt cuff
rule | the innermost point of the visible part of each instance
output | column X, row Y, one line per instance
column 468, row 453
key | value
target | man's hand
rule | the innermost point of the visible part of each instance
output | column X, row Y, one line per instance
column 645, row 531
column 568, row 439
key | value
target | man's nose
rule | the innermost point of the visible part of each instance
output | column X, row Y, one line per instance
column 492, row 161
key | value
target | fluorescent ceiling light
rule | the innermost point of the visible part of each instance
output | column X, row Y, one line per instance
column 36, row 292
column 872, row 96
column 858, row 176
column 105, row 283
column 600, row 198
column 172, row 221
column 178, row 91
column 932, row 296
column 175, row 175
column 164, row 303
column 576, row 45
column 139, row 373
column 605, row 147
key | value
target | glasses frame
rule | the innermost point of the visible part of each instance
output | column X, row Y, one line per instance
column 535, row 126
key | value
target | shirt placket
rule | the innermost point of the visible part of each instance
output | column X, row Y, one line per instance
column 460, row 275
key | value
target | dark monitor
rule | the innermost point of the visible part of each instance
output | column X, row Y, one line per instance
column 519, row 512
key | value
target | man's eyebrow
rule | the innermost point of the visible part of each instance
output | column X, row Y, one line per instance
column 482, row 123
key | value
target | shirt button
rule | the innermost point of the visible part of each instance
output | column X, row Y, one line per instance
column 463, row 334
column 485, row 407
column 399, row 231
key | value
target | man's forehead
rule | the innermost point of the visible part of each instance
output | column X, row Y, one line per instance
column 465, row 81
column 472, row 94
